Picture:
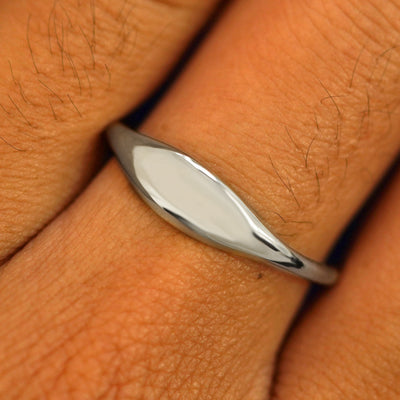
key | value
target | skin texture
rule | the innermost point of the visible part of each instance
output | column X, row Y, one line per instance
column 79, row 65
column 301, row 118
column 361, row 341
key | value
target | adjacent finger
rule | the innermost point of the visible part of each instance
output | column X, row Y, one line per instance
column 302, row 145
column 348, row 345
column 68, row 69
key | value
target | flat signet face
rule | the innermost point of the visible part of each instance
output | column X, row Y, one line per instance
column 199, row 203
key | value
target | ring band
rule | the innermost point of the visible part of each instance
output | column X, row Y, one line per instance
column 198, row 203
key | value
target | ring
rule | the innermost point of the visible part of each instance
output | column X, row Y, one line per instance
column 195, row 201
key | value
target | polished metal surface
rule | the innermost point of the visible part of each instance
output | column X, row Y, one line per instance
column 195, row 201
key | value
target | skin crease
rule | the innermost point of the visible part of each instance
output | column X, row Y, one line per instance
column 110, row 302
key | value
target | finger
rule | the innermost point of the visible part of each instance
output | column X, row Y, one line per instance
column 303, row 146
column 69, row 68
column 348, row 345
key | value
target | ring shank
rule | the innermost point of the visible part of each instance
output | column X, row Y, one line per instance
column 191, row 198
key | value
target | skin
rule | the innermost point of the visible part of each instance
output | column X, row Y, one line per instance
column 79, row 65
column 300, row 116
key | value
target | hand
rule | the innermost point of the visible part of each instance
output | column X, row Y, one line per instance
column 293, row 103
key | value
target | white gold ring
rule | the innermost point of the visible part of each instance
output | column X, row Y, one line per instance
column 198, row 203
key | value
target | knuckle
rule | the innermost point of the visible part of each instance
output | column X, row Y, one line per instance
column 348, row 54
column 75, row 51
